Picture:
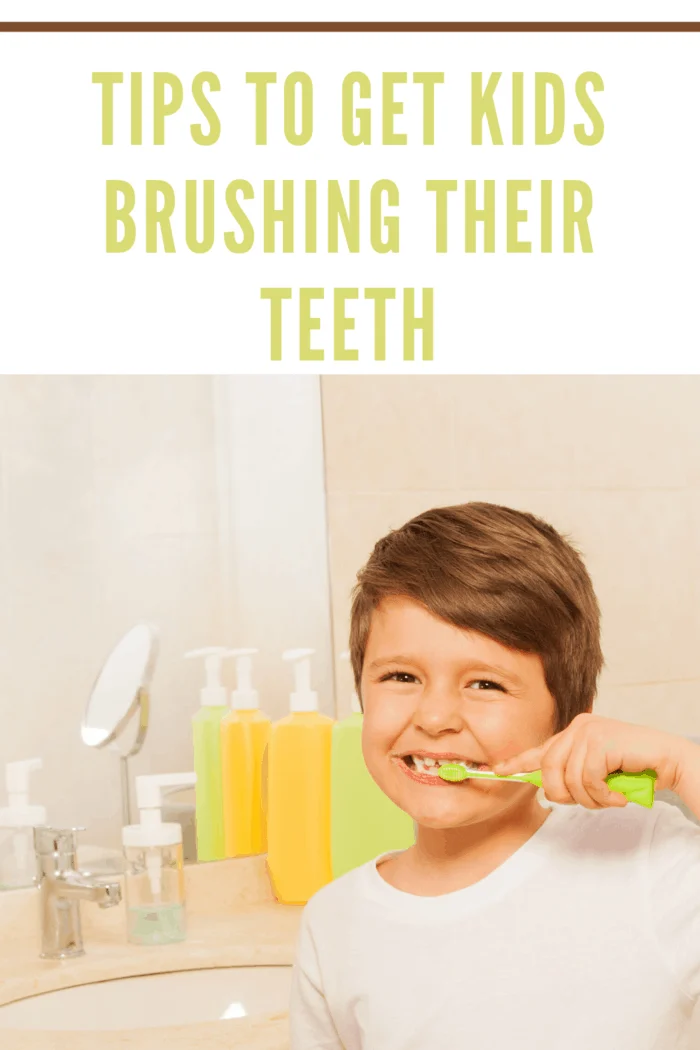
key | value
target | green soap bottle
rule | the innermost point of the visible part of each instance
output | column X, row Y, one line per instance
column 206, row 730
column 364, row 822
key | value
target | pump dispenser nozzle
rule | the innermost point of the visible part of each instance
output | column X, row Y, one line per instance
column 214, row 693
column 354, row 699
column 151, row 834
column 303, row 698
column 150, row 791
column 244, row 697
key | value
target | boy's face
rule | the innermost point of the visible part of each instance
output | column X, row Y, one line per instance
column 432, row 689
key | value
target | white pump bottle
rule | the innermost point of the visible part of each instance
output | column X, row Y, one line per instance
column 152, row 834
column 17, row 818
column 303, row 698
column 244, row 697
column 213, row 693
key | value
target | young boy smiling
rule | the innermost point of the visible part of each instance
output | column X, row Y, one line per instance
column 475, row 636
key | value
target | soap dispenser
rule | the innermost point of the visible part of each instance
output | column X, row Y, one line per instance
column 245, row 732
column 364, row 821
column 298, row 792
column 17, row 820
column 154, row 877
column 206, row 727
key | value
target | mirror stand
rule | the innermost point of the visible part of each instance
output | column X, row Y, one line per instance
column 120, row 693
column 143, row 704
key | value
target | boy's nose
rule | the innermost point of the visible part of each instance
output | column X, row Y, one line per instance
column 438, row 711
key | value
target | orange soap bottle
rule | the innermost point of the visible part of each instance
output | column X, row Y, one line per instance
column 245, row 732
column 299, row 792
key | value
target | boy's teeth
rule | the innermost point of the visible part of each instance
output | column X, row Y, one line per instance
column 424, row 764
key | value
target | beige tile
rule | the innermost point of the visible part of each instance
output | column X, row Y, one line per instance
column 47, row 477
column 132, row 416
column 90, row 793
column 44, row 415
column 47, row 606
column 388, row 432
column 169, row 497
column 164, row 578
column 154, row 456
column 48, row 673
column 673, row 707
column 577, row 431
column 48, row 601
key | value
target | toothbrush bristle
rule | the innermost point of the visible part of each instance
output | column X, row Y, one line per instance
column 453, row 772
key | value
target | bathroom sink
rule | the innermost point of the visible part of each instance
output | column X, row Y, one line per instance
column 155, row 1001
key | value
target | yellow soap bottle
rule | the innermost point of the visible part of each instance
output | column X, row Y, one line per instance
column 245, row 732
column 299, row 792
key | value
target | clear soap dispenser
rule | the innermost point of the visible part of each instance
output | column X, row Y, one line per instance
column 17, row 820
column 155, row 880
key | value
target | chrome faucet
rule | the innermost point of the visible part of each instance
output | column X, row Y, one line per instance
column 61, row 888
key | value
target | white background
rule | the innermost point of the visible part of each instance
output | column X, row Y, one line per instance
column 629, row 307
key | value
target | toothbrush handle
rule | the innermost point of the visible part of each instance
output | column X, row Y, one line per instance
column 636, row 787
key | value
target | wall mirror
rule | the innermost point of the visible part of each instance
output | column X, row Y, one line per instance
column 143, row 517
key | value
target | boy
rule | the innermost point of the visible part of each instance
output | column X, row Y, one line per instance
column 509, row 924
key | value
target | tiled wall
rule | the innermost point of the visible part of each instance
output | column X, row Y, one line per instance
column 614, row 462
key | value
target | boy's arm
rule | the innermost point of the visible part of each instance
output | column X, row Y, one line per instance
column 311, row 1026
column 688, row 786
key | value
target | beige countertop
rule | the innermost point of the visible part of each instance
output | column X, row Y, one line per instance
column 233, row 920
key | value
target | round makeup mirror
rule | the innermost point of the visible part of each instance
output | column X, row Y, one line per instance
column 119, row 701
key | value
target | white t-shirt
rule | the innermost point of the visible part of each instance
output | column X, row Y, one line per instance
column 586, row 938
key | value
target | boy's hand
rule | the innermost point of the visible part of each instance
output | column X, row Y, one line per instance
column 575, row 762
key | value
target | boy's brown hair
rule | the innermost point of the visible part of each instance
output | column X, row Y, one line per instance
column 502, row 572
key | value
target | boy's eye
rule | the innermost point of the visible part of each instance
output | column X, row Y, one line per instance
column 398, row 676
column 407, row 678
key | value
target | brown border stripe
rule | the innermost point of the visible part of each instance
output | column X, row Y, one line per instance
column 349, row 27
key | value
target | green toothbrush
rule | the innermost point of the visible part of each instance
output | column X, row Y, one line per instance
column 637, row 787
